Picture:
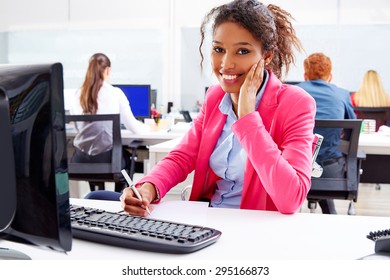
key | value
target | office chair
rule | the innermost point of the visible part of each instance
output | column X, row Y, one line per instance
column 340, row 188
column 380, row 114
column 101, row 172
column 186, row 115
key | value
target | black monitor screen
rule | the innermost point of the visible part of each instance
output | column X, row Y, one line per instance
column 292, row 82
column 33, row 134
column 139, row 98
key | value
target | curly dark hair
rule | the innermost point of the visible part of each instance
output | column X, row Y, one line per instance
column 270, row 25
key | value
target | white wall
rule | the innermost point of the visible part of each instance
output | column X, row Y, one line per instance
column 156, row 41
column 134, row 34
column 355, row 34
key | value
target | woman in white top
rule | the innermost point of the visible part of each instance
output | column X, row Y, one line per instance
column 97, row 96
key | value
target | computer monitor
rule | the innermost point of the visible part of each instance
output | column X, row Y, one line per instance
column 34, row 189
column 292, row 82
column 153, row 97
column 139, row 97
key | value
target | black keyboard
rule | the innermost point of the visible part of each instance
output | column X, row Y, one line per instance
column 123, row 230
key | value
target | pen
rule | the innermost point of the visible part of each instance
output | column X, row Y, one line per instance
column 131, row 185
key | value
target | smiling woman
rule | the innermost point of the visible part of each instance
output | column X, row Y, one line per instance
column 234, row 53
column 269, row 26
column 250, row 145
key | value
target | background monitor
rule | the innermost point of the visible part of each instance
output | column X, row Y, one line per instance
column 153, row 97
column 139, row 97
column 34, row 192
column 292, row 82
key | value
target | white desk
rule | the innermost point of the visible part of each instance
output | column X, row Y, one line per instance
column 156, row 135
column 375, row 143
column 156, row 153
column 160, row 135
column 376, row 166
column 151, row 137
column 369, row 143
column 246, row 235
column 376, row 147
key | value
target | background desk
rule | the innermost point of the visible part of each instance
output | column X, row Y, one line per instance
column 376, row 146
column 150, row 138
column 376, row 166
column 375, row 143
column 369, row 143
column 156, row 136
column 246, row 235
column 156, row 153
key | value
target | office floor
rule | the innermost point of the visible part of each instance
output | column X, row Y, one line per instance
column 371, row 201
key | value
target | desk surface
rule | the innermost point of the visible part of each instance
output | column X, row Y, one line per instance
column 246, row 235
column 153, row 135
column 375, row 143
column 176, row 131
column 166, row 146
column 149, row 138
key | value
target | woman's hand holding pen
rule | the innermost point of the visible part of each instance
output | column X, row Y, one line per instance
column 249, row 89
column 132, row 205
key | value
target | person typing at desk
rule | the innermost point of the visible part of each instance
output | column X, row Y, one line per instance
column 332, row 103
column 251, row 144
column 93, row 143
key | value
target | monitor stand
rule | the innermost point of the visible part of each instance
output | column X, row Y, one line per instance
column 10, row 254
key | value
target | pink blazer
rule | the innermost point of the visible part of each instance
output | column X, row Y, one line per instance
column 277, row 139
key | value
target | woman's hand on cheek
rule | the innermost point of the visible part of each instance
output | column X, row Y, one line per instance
column 249, row 89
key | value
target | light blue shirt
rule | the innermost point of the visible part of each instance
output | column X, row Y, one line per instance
column 228, row 158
